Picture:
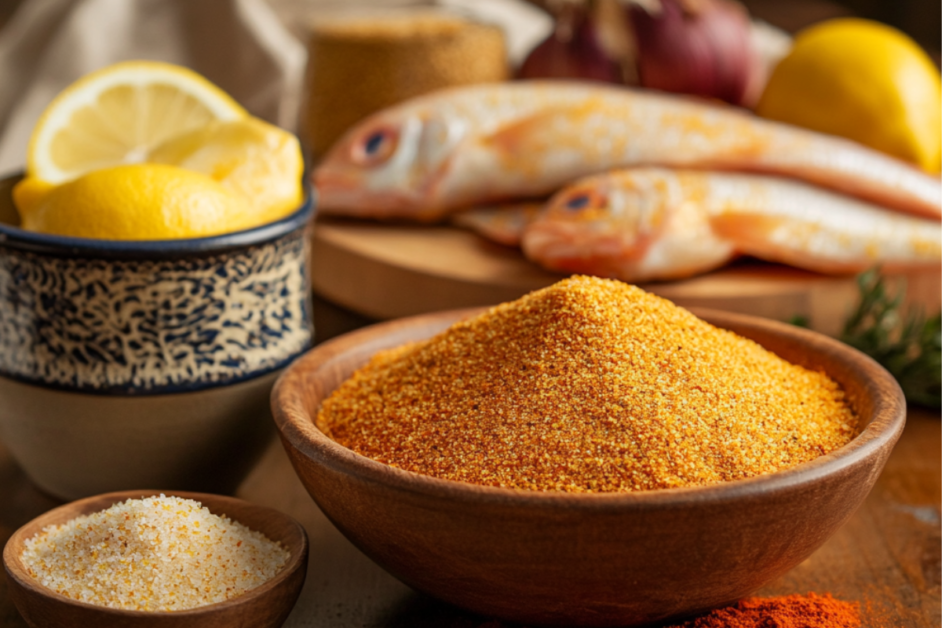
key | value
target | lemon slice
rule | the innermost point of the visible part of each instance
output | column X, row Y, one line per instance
column 117, row 115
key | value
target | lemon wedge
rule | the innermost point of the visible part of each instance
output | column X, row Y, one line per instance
column 144, row 150
column 138, row 202
column 248, row 156
column 117, row 115
column 864, row 81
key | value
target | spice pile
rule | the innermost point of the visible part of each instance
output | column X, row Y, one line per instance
column 789, row 611
column 154, row 554
column 792, row 611
column 587, row 385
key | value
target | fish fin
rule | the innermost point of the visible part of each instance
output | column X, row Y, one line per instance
column 752, row 234
column 531, row 133
column 745, row 229
column 630, row 270
column 503, row 224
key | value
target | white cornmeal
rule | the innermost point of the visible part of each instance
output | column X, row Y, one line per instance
column 154, row 554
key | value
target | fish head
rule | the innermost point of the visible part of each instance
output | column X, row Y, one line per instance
column 599, row 223
column 390, row 165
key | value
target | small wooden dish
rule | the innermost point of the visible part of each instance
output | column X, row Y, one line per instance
column 266, row 606
column 587, row 559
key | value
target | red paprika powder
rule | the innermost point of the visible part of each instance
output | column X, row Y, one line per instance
column 792, row 611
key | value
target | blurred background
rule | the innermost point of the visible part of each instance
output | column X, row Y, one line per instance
column 921, row 19
column 53, row 42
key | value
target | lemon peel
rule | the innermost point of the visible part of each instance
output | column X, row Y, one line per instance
column 864, row 81
column 140, row 202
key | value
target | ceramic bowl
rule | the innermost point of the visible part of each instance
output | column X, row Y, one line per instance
column 128, row 364
column 587, row 559
column 266, row 606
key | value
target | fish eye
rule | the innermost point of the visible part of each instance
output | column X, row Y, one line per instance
column 374, row 146
column 374, row 142
column 579, row 201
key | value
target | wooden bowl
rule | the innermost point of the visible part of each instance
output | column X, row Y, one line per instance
column 265, row 606
column 587, row 559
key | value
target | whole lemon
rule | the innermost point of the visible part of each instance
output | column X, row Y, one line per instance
column 864, row 81
column 134, row 202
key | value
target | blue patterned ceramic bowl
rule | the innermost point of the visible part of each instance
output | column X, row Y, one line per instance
column 177, row 324
column 150, row 317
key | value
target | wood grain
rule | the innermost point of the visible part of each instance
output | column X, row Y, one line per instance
column 388, row 271
column 265, row 606
column 898, row 588
column 587, row 559
column 886, row 556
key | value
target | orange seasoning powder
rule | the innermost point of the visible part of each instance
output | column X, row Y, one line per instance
column 791, row 611
column 587, row 385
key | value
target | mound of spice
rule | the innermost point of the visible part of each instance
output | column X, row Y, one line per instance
column 587, row 385
column 153, row 554
column 790, row 611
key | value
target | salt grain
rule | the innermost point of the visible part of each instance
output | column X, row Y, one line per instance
column 153, row 554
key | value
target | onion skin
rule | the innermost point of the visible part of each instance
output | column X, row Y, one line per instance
column 701, row 48
column 572, row 51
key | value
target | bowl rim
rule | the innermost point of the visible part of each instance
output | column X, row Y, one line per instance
column 20, row 239
column 299, row 431
column 15, row 570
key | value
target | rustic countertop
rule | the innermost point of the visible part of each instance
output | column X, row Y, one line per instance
column 887, row 556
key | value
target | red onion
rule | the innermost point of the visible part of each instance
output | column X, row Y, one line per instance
column 697, row 47
column 572, row 50
column 700, row 47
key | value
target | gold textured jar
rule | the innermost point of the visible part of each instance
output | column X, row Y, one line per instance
column 360, row 63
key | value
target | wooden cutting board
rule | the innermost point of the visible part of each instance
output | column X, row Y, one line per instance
column 388, row 271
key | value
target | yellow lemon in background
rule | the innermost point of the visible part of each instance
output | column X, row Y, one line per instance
column 117, row 115
column 248, row 156
column 864, row 81
column 136, row 202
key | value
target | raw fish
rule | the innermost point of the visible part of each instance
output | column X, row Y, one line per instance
column 655, row 224
column 466, row 146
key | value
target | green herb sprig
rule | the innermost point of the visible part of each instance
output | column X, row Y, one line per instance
column 909, row 348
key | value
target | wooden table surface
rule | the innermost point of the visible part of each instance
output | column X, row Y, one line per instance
column 887, row 556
